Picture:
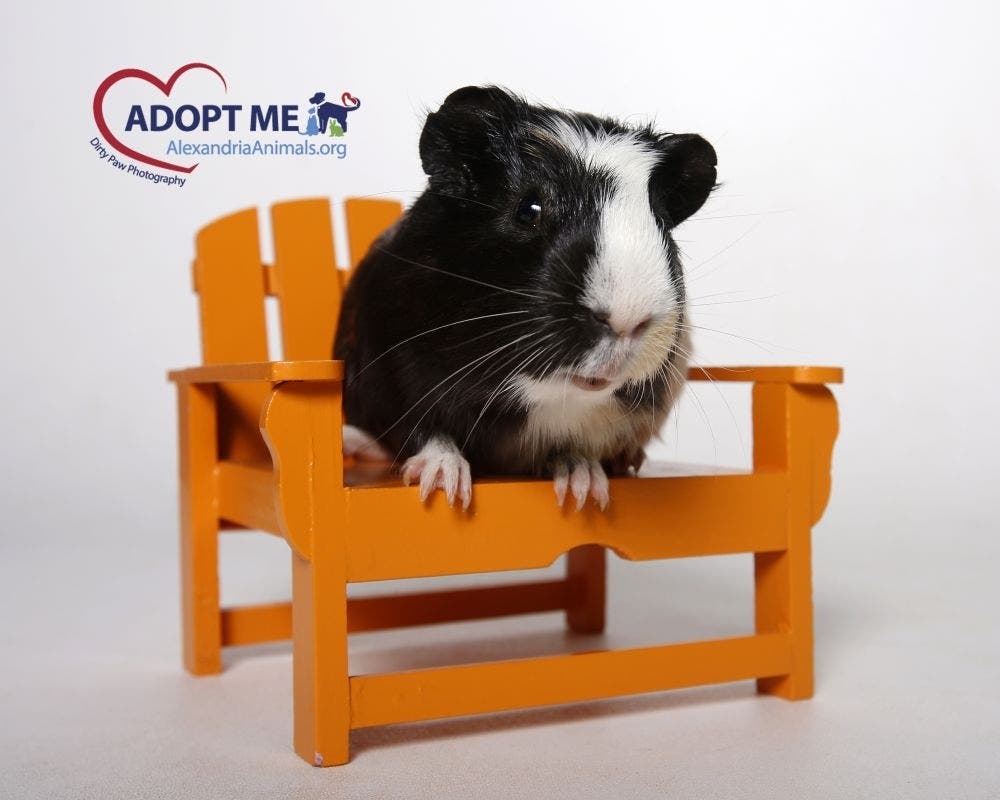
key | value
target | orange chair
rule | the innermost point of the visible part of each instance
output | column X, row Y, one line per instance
column 260, row 448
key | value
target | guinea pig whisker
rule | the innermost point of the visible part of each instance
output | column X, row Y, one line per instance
column 510, row 394
column 725, row 249
column 701, row 409
column 470, row 365
column 639, row 397
column 562, row 262
column 432, row 330
column 468, row 369
column 520, row 366
column 566, row 378
column 416, row 190
column 715, row 385
column 648, row 385
column 652, row 415
column 730, row 302
column 644, row 384
column 454, row 274
column 510, row 391
column 767, row 347
column 495, row 368
column 464, row 199
column 719, row 294
column 493, row 332
column 508, row 387
column 700, row 218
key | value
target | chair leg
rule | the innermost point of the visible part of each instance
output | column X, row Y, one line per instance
column 319, row 664
column 586, row 567
column 301, row 424
column 793, row 431
column 199, row 546
column 783, row 596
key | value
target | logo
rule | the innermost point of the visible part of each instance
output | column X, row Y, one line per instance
column 165, row 135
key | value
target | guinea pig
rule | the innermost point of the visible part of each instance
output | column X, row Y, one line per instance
column 527, row 313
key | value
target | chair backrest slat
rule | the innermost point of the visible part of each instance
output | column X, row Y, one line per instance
column 305, row 273
column 232, row 282
column 229, row 279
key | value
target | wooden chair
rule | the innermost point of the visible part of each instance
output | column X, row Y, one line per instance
column 260, row 448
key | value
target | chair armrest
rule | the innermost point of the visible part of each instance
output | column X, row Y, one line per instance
column 797, row 375
column 266, row 371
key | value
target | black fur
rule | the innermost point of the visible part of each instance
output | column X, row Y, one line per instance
column 460, row 252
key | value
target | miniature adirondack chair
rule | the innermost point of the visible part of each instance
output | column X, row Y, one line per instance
column 260, row 448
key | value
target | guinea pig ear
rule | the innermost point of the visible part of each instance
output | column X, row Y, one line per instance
column 685, row 175
column 460, row 141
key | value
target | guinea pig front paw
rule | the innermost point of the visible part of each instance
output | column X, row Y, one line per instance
column 582, row 477
column 440, row 465
column 362, row 446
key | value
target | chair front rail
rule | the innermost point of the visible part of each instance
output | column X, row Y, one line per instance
column 521, row 683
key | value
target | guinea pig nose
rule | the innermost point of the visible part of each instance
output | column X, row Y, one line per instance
column 620, row 328
column 627, row 329
column 640, row 328
column 602, row 317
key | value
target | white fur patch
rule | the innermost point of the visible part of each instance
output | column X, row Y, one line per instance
column 593, row 422
column 629, row 279
column 630, row 276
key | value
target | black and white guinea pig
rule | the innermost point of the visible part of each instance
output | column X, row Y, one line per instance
column 527, row 313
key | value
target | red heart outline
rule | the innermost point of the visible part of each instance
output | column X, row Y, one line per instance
column 349, row 100
column 141, row 74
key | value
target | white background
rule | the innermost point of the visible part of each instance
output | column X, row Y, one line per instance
column 856, row 225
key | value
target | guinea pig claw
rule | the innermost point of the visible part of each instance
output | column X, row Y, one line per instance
column 440, row 465
column 429, row 479
column 465, row 485
column 599, row 488
column 560, row 481
column 411, row 469
column 579, row 483
column 584, row 479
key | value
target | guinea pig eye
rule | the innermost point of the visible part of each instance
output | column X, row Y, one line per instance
column 529, row 211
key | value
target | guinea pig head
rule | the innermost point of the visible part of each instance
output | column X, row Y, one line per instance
column 569, row 217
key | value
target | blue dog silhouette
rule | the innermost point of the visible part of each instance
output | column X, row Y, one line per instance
column 312, row 127
column 327, row 110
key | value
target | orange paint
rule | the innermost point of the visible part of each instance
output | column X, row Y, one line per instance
column 260, row 448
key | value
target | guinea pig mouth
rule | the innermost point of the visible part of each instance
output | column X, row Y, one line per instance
column 589, row 383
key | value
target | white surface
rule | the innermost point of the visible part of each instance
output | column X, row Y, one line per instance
column 907, row 704
column 857, row 150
